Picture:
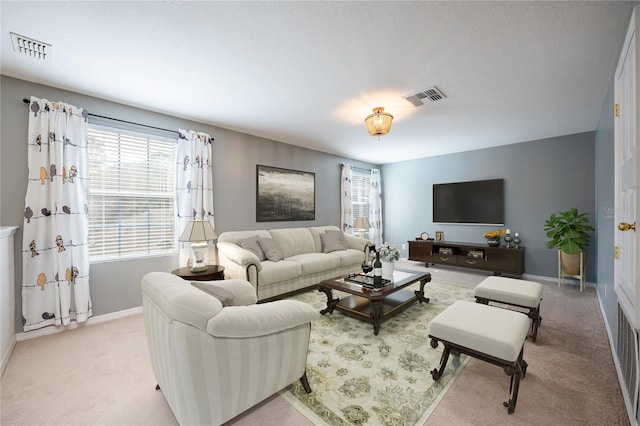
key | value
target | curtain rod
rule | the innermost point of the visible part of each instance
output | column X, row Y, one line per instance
column 27, row 101
column 356, row 167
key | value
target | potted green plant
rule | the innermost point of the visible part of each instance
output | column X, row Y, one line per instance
column 569, row 232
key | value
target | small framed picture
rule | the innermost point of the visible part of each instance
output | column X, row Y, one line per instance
column 439, row 236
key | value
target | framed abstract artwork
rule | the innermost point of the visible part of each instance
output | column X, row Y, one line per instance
column 283, row 194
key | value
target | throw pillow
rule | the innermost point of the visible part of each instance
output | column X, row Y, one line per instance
column 223, row 295
column 333, row 241
column 251, row 244
column 271, row 249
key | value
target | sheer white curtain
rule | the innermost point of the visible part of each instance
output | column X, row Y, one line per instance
column 194, row 184
column 375, row 208
column 55, row 253
column 346, row 208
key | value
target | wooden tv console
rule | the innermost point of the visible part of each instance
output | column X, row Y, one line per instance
column 499, row 260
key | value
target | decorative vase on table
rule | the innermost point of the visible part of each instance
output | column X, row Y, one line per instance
column 493, row 237
column 387, row 269
column 389, row 253
column 493, row 242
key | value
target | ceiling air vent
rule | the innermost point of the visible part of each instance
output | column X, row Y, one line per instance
column 432, row 94
column 30, row 47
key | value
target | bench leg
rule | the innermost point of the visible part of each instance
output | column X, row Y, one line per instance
column 536, row 319
column 517, row 371
column 436, row 373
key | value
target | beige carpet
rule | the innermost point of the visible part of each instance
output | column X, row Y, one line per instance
column 100, row 375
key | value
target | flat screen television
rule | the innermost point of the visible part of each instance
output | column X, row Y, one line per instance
column 475, row 202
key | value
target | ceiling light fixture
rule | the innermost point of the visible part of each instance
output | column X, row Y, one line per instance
column 378, row 123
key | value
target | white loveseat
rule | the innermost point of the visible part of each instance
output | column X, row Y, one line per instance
column 309, row 256
column 216, row 356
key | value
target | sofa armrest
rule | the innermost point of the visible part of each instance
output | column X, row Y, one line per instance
column 238, row 255
column 260, row 320
column 243, row 292
column 356, row 243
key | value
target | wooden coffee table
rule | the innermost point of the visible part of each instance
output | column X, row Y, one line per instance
column 375, row 304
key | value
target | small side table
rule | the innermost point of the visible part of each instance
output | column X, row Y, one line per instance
column 213, row 272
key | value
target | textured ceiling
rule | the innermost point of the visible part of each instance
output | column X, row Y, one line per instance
column 307, row 73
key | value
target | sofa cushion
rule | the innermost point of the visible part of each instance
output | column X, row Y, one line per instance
column 315, row 234
column 349, row 257
column 313, row 263
column 271, row 249
column 273, row 272
column 333, row 241
column 294, row 241
column 251, row 244
column 224, row 296
column 234, row 236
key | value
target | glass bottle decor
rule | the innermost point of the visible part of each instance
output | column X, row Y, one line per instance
column 508, row 239
column 516, row 240
column 377, row 271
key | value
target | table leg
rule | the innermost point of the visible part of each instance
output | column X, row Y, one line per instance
column 376, row 315
column 331, row 302
column 420, row 293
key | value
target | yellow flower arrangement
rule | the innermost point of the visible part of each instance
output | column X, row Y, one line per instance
column 494, row 235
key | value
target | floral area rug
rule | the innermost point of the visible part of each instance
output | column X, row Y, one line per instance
column 361, row 379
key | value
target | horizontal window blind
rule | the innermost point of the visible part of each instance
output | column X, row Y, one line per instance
column 131, row 194
column 360, row 183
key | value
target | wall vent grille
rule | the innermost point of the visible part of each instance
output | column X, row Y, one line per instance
column 29, row 47
column 628, row 356
column 432, row 94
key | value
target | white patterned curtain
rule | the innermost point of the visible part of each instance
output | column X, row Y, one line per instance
column 55, row 251
column 194, row 184
column 375, row 208
column 346, row 208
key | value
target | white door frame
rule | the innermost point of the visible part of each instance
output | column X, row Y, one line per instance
column 626, row 190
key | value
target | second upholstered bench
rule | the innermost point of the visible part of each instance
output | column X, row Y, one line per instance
column 514, row 292
column 491, row 334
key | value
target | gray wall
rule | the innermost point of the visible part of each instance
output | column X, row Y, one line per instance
column 541, row 177
column 115, row 285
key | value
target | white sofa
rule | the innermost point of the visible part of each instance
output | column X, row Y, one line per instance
column 308, row 258
column 213, row 362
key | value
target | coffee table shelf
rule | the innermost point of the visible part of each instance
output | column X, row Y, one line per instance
column 375, row 304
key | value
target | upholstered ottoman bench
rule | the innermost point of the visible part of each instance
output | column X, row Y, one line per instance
column 485, row 332
column 514, row 292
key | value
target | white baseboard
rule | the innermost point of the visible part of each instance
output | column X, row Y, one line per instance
column 7, row 354
column 93, row 320
column 570, row 281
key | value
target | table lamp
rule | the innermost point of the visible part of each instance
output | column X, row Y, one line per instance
column 362, row 224
column 198, row 232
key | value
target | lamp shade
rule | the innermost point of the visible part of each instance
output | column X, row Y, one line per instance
column 198, row 230
column 362, row 222
column 378, row 123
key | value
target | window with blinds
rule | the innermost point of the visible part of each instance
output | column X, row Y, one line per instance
column 360, row 184
column 131, row 194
